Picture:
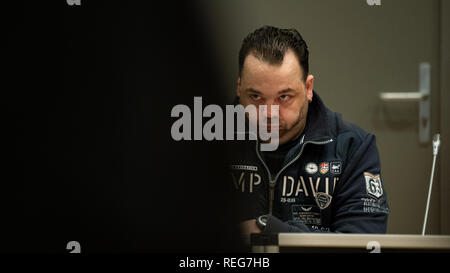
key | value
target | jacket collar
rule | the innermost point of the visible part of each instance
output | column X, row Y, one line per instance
column 317, row 121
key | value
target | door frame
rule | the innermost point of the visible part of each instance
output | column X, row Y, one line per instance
column 444, row 153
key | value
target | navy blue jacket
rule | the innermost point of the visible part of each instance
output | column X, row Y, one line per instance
column 330, row 180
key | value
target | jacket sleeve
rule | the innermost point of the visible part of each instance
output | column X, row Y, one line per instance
column 359, row 201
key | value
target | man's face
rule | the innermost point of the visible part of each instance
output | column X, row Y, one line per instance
column 262, row 83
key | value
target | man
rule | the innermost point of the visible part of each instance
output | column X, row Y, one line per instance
column 325, row 174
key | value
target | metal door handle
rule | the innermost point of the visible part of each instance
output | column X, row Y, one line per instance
column 422, row 96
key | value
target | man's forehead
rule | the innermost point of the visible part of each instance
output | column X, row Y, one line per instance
column 267, row 78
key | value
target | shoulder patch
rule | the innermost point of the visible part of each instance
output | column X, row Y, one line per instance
column 373, row 185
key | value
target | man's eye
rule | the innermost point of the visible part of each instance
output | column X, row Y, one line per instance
column 284, row 97
column 255, row 97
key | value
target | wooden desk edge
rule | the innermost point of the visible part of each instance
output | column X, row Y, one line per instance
column 340, row 240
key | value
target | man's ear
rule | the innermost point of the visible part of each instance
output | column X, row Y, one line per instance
column 238, row 87
column 309, row 87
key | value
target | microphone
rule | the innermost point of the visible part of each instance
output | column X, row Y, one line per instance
column 436, row 144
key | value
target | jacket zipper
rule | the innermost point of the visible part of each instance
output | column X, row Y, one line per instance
column 272, row 182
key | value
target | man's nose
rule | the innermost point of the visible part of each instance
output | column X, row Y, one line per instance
column 270, row 111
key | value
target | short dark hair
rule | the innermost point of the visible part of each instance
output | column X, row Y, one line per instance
column 270, row 44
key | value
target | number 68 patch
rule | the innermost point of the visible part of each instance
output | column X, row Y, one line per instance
column 373, row 185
